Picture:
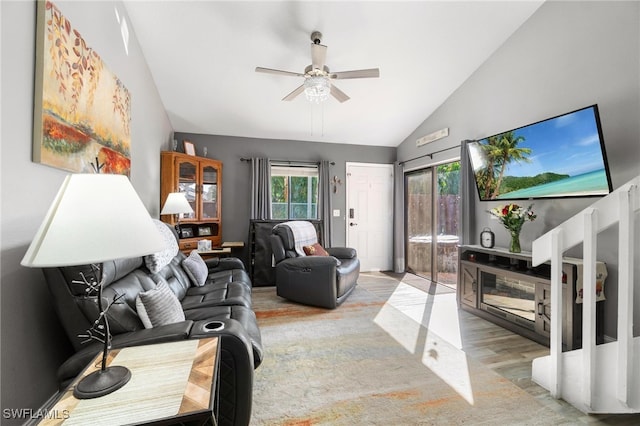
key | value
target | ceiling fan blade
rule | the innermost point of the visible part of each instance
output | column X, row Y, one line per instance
column 279, row 72
column 318, row 56
column 291, row 96
column 339, row 94
column 368, row 73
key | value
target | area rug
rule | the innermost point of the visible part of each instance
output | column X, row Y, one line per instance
column 368, row 363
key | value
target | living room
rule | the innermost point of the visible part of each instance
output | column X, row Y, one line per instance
column 566, row 56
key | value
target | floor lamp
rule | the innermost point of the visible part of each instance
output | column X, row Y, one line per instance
column 93, row 219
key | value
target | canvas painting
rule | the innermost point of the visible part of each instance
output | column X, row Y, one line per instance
column 82, row 111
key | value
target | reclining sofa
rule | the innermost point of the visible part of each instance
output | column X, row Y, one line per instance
column 224, row 298
column 321, row 277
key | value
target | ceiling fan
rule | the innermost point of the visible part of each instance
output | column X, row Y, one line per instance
column 317, row 85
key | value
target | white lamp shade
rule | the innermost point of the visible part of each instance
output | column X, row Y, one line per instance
column 94, row 218
column 176, row 203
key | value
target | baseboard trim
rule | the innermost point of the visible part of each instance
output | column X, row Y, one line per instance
column 38, row 415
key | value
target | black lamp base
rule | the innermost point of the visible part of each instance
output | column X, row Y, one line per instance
column 102, row 382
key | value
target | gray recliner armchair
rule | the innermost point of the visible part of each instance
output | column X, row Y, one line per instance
column 316, row 280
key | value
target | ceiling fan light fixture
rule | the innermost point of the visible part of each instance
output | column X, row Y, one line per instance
column 317, row 89
column 317, row 85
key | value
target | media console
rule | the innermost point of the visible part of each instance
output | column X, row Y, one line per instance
column 505, row 288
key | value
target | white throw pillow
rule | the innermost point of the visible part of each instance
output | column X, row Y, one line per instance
column 157, row 261
column 196, row 268
column 159, row 306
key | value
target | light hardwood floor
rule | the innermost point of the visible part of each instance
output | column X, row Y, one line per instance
column 506, row 353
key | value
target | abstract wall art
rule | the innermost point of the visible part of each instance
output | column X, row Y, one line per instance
column 82, row 111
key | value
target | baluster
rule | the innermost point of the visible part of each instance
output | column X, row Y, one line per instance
column 589, row 304
column 627, row 202
column 556, row 314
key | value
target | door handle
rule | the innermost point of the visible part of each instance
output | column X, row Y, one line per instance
column 353, row 224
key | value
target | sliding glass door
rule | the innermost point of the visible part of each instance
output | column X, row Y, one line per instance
column 419, row 221
column 431, row 210
column 419, row 213
column 447, row 217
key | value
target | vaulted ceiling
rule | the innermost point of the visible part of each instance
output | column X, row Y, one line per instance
column 203, row 55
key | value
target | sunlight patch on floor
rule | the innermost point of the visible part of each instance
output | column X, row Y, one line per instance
column 399, row 326
column 442, row 310
column 427, row 325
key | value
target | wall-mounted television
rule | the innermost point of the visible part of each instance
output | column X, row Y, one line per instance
column 563, row 156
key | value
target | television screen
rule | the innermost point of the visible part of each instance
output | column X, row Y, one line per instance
column 563, row 156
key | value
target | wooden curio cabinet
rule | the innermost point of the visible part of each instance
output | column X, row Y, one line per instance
column 200, row 179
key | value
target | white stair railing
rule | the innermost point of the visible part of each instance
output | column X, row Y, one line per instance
column 628, row 205
column 619, row 207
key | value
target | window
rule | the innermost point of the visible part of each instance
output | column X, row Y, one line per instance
column 294, row 192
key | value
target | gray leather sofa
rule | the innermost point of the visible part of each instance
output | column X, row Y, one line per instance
column 324, row 281
column 225, row 297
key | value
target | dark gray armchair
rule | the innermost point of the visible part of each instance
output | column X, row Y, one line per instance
column 324, row 281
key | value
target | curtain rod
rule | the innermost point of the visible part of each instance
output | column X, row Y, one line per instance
column 429, row 155
column 288, row 161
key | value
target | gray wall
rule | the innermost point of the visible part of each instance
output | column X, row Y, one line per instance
column 33, row 344
column 568, row 55
column 236, row 174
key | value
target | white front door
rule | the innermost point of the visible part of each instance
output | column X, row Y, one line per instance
column 370, row 214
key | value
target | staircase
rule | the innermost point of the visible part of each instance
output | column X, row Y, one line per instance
column 603, row 378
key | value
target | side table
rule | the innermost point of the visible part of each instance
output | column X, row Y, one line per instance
column 234, row 246
column 171, row 383
column 215, row 252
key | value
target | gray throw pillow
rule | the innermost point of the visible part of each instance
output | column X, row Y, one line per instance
column 157, row 261
column 159, row 306
column 195, row 268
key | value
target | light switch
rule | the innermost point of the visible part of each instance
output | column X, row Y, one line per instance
column 336, row 213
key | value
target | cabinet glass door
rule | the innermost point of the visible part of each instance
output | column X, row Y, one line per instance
column 508, row 294
column 209, row 192
column 187, row 183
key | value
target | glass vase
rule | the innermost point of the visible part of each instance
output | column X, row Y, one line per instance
column 514, row 247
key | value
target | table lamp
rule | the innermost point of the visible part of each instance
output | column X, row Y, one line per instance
column 177, row 204
column 95, row 218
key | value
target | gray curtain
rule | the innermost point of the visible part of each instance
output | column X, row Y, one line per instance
column 324, row 200
column 260, row 188
column 467, row 197
column 398, row 219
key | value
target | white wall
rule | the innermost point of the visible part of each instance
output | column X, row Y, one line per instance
column 568, row 55
column 32, row 343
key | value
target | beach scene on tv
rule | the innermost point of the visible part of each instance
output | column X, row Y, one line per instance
column 559, row 157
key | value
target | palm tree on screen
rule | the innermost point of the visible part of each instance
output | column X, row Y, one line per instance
column 492, row 153
column 506, row 150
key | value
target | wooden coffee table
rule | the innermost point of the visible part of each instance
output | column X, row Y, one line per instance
column 170, row 383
